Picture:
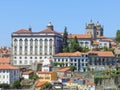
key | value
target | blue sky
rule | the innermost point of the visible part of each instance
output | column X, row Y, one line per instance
column 20, row 14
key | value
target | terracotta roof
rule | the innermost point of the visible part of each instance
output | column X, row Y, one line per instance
column 39, row 72
column 27, row 72
column 89, row 83
column 95, row 42
column 101, row 37
column 4, row 60
column 69, row 54
column 61, row 32
column 103, row 53
column 7, row 67
column 40, row 83
column 79, row 36
column 49, row 31
column 108, row 39
column 63, row 70
column 22, row 31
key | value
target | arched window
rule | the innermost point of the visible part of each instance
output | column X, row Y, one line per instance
column 15, row 48
column 20, row 50
column 15, row 42
column 31, row 42
column 41, row 42
column 50, row 41
column 26, row 41
column 36, row 42
column 46, row 42
column 31, row 49
column 36, row 50
column 20, row 42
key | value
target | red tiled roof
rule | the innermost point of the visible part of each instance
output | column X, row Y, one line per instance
column 39, row 72
column 40, row 83
column 79, row 36
column 64, row 70
column 108, row 39
column 101, row 37
column 103, row 53
column 89, row 83
column 7, row 67
column 69, row 54
column 22, row 31
column 27, row 72
column 4, row 60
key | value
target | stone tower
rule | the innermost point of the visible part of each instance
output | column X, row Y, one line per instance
column 94, row 30
column 99, row 29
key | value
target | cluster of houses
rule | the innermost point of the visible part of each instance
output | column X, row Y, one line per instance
column 38, row 51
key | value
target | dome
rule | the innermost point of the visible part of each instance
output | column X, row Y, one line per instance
column 97, row 24
column 49, row 24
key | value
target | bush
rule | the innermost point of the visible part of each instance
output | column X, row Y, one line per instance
column 16, row 84
column 72, row 68
column 49, row 85
column 97, row 80
column 5, row 86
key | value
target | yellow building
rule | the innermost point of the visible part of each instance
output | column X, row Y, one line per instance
column 47, row 76
column 71, row 85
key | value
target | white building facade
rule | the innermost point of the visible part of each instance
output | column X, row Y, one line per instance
column 8, row 74
column 77, row 59
column 87, row 41
column 28, row 46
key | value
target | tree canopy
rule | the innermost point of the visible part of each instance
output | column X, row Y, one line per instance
column 65, row 39
column 118, row 36
column 74, row 45
column 72, row 68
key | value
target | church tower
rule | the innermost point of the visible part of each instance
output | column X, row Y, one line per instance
column 99, row 29
column 50, row 26
column 91, row 29
column 94, row 30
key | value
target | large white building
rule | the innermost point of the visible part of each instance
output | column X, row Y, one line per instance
column 28, row 46
column 8, row 73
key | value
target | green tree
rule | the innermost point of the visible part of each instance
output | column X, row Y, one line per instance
column 55, row 63
column 72, row 68
column 97, row 79
column 16, row 84
column 118, row 36
column 84, row 49
column 35, row 77
column 65, row 39
column 105, row 48
column 48, row 85
column 74, row 45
